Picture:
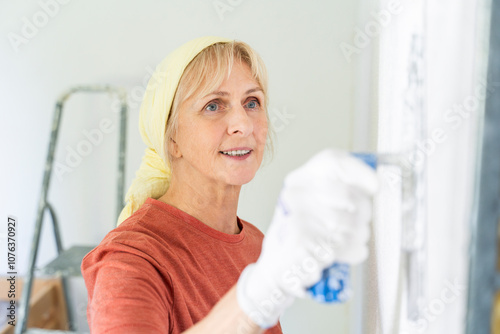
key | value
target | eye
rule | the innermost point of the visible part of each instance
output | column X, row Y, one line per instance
column 212, row 106
column 253, row 104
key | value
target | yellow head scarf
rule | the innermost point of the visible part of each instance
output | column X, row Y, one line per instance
column 153, row 177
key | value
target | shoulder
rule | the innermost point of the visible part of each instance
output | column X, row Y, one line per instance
column 138, row 235
column 251, row 230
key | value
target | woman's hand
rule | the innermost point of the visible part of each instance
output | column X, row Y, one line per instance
column 322, row 216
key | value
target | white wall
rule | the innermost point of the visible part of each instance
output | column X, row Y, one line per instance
column 119, row 42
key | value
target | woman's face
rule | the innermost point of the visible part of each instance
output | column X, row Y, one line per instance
column 232, row 118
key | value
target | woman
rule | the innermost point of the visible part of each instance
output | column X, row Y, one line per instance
column 172, row 264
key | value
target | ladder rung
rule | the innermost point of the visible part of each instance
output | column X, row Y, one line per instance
column 68, row 262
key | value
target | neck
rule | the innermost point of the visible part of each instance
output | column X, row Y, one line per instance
column 214, row 205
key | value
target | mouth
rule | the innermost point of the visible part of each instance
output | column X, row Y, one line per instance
column 237, row 154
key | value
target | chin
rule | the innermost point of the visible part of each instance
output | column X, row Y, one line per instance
column 241, row 179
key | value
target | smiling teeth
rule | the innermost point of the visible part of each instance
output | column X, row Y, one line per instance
column 236, row 153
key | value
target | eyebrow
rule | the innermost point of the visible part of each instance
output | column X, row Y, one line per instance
column 250, row 91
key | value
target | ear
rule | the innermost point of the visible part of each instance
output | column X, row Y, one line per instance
column 173, row 148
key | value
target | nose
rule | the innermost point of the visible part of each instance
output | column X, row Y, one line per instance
column 239, row 121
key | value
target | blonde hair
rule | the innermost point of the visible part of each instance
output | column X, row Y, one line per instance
column 198, row 66
column 206, row 72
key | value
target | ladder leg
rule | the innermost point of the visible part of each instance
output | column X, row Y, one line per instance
column 64, row 280
column 26, row 294
column 25, row 298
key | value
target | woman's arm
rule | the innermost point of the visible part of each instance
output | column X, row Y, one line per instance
column 226, row 317
column 322, row 216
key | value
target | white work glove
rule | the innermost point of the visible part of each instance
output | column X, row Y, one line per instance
column 322, row 216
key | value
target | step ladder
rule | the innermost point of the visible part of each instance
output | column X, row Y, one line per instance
column 68, row 261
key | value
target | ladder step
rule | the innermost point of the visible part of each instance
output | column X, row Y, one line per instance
column 68, row 262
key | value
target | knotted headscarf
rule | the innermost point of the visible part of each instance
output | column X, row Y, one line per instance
column 153, row 177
